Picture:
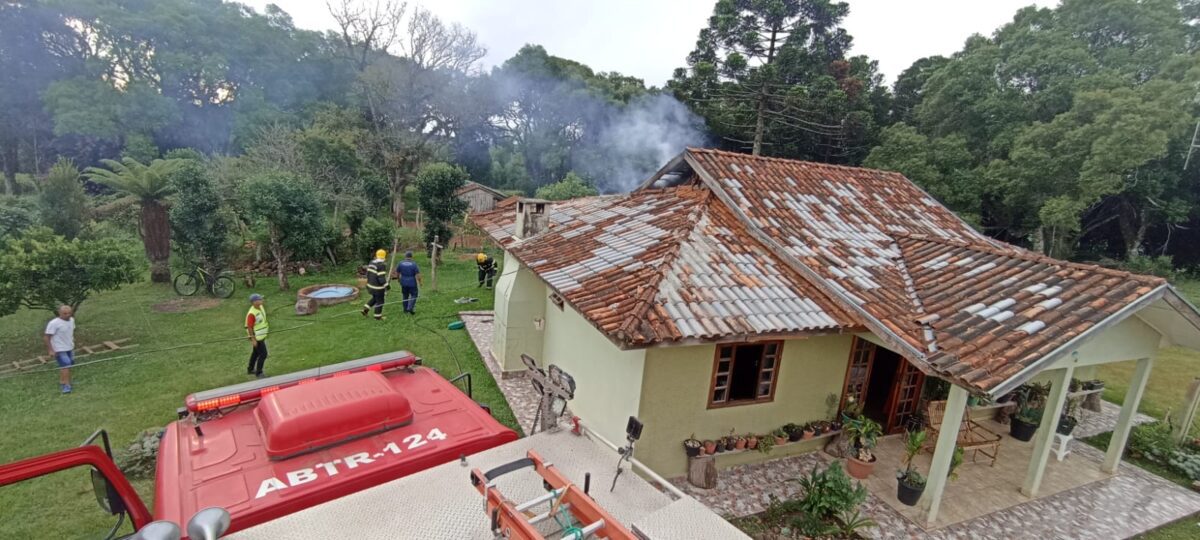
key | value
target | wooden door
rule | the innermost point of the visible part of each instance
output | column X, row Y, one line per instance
column 906, row 396
column 858, row 372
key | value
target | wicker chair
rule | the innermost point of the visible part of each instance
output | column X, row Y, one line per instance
column 972, row 437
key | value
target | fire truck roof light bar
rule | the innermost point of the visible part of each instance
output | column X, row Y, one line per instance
column 236, row 394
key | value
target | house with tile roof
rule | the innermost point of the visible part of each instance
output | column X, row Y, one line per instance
column 736, row 292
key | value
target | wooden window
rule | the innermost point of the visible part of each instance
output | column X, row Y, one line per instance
column 745, row 373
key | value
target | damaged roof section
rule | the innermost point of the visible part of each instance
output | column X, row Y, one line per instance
column 722, row 246
column 666, row 265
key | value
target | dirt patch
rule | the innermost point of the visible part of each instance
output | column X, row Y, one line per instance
column 184, row 305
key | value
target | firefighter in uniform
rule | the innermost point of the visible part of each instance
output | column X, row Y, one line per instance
column 377, row 284
column 257, row 328
column 487, row 268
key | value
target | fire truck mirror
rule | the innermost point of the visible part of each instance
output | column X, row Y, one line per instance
column 106, row 495
column 208, row 524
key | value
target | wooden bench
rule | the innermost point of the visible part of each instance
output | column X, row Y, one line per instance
column 972, row 437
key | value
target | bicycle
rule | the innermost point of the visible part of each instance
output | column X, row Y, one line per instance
column 187, row 283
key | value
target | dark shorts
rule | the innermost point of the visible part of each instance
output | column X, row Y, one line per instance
column 65, row 358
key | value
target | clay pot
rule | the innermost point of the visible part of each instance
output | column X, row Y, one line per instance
column 752, row 443
column 807, row 434
column 740, row 444
column 710, row 447
column 780, row 440
column 858, row 468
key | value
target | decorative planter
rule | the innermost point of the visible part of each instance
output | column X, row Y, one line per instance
column 710, row 447
column 751, row 443
column 740, row 444
column 858, row 468
column 1022, row 430
column 795, row 436
column 807, row 434
column 1066, row 425
column 692, row 447
column 780, row 440
column 907, row 494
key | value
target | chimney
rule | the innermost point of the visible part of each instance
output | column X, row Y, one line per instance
column 533, row 218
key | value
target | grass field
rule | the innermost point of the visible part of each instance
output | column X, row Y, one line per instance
column 130, row 394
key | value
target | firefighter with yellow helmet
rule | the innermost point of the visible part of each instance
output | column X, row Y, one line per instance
column 377, row 284
column 487, row 268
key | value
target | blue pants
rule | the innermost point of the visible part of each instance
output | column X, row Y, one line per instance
column 410, row 298
column 65, row 359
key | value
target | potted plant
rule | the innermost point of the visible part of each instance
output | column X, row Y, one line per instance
column 722, row 444
column 692, row 446
column 766, row 443
column 739, row 441
column 863, row 434
column 1031, row 398
column 751, row 441
column 1069, row 418
column 910, row 483
column 956, row 459
column 823, row 426
column 780, row 436
column 808, row 431
column 710, row 447
column 794, row 431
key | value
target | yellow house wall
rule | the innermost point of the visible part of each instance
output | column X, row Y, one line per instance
column 608, row 380
column 674, row 400
column 520, row 303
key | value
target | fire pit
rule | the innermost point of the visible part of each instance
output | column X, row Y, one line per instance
column 329, row 294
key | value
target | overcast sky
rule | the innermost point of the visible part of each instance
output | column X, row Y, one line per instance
column 650, row 38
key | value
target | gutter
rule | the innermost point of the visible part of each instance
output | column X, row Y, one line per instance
column 1029, row 371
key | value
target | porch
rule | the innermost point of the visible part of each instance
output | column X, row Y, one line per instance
column 1076, row 499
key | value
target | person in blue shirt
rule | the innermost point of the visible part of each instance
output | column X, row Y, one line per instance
column 410, row 280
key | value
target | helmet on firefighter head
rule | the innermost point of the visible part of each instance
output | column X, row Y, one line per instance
column 380, row 254
column 481, row 257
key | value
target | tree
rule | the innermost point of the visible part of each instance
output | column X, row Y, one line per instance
column 942, row 166
column 570, row 187
column 198, row 221
column 62, row 201
column 436, row 185
column 40, row 270
column 290, row 211
column 151, row 185
column 768, row 71
column 16, row 215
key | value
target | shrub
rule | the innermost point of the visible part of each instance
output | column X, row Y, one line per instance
column 1186, row 462
column 32, row 267
column 62, row 200
column 372, row 235
column 436, row 185
column 16, row 215
column 1161, row 266
column 830, row 492
column 570, row 187
column 1152, row 440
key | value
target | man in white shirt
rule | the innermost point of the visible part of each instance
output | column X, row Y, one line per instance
column 60, row 342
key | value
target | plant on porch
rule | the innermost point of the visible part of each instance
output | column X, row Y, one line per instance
column 864, row 434
column 1031, row 399
column 830, row 503
column 910, row 483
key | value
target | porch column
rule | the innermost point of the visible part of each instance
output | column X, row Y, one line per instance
column 1060, row 382
column 943, row 452
column 1129, row 407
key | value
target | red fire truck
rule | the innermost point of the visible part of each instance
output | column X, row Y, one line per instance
column 271, row 447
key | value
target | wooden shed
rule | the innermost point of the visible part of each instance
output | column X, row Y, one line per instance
column 479, row 198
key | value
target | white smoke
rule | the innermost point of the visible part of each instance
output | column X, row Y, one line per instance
column 640, row 138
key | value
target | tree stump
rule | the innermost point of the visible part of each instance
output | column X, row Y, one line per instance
column 306, row 306
column 702, row 471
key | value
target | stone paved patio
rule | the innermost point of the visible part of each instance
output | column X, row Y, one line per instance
column 518, row 391
column 1128, row 503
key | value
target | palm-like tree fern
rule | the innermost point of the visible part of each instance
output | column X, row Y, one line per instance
column 151, row 185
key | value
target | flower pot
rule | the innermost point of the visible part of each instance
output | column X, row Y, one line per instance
column 692, row 448
column 710, row 447
column 780, row 440
column 1022, row 430
column 740, row 444
column 1066, row 425
column 807, row 434
column 795, row 436
column 751, row 443
column 858, row 468
column 907, row 494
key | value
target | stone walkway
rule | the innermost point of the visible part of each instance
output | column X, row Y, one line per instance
column 1094, row 423
column 517, row 389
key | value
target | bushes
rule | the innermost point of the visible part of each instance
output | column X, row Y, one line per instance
column 830, row 493
column 62, row 200
column 1154, row 442
column 372, row 235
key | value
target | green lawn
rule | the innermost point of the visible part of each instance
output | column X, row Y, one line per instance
column 128, row 395
column 1174, row 370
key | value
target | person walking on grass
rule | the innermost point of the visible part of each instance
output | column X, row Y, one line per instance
column 410, row 282
column 258, row 329
column 60, row 343
column 377, row 284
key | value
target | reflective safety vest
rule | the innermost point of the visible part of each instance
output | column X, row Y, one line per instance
column 261, row 328
column 377, row 276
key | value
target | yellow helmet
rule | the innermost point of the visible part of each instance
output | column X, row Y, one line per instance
column 381, row 254
column 481, row 257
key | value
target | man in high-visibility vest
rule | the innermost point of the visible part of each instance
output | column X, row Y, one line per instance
column 487, row 268
column 257, row 328
column 377, row 284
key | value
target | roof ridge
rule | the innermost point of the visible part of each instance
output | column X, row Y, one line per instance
column 644, row 299
column 1018, row 252
column 787, row 160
